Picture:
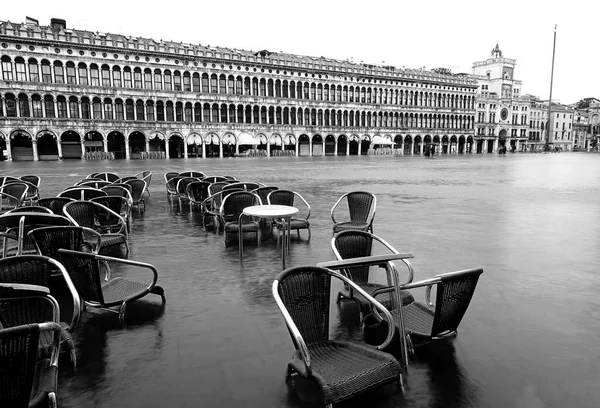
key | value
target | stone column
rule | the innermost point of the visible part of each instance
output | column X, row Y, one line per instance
column 359, row 146
column 296, row 146
column 185, row 150
column 221, row 149
column 166, row 148
column 127, row 153
column 105, row 144
column 347, row 147
column 310, row 147
column 412, row 147
column 268, row 149
column 59, row 147
column 82, row 147
column 147, row 145
column 35, row 150
column 8, row 149
column 517, row 145
column 237, row 149
column 421, row 148
column 402, row 147
column 335, row 147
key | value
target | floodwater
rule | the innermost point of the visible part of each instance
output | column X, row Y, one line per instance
column 529, row 339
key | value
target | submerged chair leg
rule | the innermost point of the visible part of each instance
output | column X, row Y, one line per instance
column 122, row 313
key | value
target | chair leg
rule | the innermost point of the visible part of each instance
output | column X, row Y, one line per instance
column 52, row 400
column 122, row 313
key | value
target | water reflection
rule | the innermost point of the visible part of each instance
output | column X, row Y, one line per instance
column 527, row 340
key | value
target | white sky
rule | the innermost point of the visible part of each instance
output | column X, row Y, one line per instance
column 403, row 33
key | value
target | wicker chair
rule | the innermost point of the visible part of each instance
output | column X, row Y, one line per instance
column 110, row 177
column 118, row 204
column 48, row 240
column 197, row 192
column 137, row 193
column 27, row 381
column 82, row 193
column 211, row 206
column 108, row 293
column 195, row 174
column 101, row 219
column 169, row 175
column 215, row 179
column 17, row 189
column 356, row 244
column 171, row 185
column 54, row 204
column 39, row 270
column 147, row 177
column 181, row 188
column 263, row 192
column 361, row 208
column 343, row 369
column 98, row 184
column 232, row 215
column 288, row 197
column 33, row 190
column 16, row 226
column 9, row 202
column 424, row 322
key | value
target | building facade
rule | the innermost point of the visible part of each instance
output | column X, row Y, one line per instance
column 502, row 114
column 68, row 93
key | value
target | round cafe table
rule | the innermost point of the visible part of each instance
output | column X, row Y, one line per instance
column 283, row 212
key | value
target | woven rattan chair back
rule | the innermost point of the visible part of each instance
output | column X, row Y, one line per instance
column 197, row 191
column 453, row 296
column 48, row 240
column 305, row 292
column 8, row 179
column 281, row 197
column 98, row 184
column 8, row 202
column 182, row 185
column 215, row 179
column 32, row 209
column 137, row 190
column 354, row 244
column 33, row 179
column 83, row 213
column 54, row 204
column 19, row 359
column 263, row 192
column 82, row 193
column 16, row 189
column 119, row 190
column 360, row 204
column 234, row 203
column 196, row 174
column 169, row 175
column 86, row 276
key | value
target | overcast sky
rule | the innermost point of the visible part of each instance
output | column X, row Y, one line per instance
column 411, row 34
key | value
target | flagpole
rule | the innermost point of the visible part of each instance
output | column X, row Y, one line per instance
column 550, row 100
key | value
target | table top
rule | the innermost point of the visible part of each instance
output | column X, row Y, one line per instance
column 365, row 260
column 271, row 211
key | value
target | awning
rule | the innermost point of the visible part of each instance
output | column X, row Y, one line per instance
column 379, row 140
column 246, row 139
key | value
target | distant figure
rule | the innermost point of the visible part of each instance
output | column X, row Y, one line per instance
column 432, row 151
column 426, row 152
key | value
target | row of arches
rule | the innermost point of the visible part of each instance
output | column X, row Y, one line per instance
column 115, row 76
column 51, row 145
column 97, row 108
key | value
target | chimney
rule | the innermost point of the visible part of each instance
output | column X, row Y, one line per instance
column 58, row 24
column 31, row 22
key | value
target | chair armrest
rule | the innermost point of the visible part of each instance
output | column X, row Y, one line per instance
column 104, row 258
column 298, row 340
column 387, row 315
column 72, row 290
column 334, row 207
column 54, row 327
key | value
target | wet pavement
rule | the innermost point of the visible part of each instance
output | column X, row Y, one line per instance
column 529, row 339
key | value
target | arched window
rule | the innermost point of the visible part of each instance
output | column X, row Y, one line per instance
column 147, row 78
column 94, row 75
column 11, row 105
column 263, row 87
column 7, row 72
column 129, row 110
column 263, row 115
column 238, row 85
column 168, row 81
column 24, row 106
column 119, row 110
column 116, row 76
column 108, row 109
column 187, row 82
column 214, row 84
column 150, row 111
column 177, row 81
column 127, row 80
column 158, row 79
column 139, row 110
column 85, row 108
column 97, row 108
column 254, row 86
column 197, row 112
column 160, row 111
column 137, row 78
column 73, row 107
column 320, row 92
column 285, row 89
column 215, row 112
column 34, row 74
column 222, row 84
column 313, row 91
column 278, row 89
column 61, row 106
column 71, row 73
column 206, row 113
column 36, row 104
column 326, row 92
column 46, row 72
column 270, row 88
column 188, row 112
column 179, row 112
column 231, row 113
column 223, row 113
column 49, row 106
column 170, row 112
column 205, row 87
column 20, row 69
column 196, row 83
column 105, row 74
column 83, row 74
